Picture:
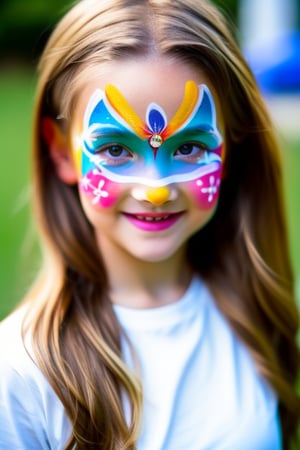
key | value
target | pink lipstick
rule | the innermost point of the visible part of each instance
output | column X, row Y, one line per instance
column 153, row 222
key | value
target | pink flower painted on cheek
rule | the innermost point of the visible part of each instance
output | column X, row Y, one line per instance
column 101, row 190
column 206, row 189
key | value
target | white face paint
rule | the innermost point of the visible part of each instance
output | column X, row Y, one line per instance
column 117, row 147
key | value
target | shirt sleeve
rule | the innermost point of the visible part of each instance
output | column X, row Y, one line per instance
column 31, row 415
column 20, row 425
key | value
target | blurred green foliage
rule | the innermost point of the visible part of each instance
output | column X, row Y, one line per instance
column 16, row 93
column 291, row 159
column 26, row 25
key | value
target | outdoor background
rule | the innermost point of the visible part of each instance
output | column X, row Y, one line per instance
column 24, row 28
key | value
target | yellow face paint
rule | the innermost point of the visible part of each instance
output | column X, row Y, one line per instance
column 119, row 147
column 157, row 196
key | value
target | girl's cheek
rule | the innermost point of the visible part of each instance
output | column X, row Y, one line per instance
column 205, row 189
column 103, row 192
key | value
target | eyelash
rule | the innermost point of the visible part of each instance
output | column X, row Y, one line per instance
column 124, row 154
column 195, row 150
column 188, row 151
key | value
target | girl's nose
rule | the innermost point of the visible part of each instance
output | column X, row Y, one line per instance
column 155, row 195
column 158, row 196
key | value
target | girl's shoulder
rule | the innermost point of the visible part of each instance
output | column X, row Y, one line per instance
column 12, row 348
column 17, row 364
column 16, row 361
column 31, row 415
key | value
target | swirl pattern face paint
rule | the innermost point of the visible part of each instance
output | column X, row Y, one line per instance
column 117, row 146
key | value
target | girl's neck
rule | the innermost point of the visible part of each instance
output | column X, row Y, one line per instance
column 141, row 284
column 151, row 291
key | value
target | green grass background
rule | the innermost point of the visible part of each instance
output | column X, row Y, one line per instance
column 16, row 103
column 17, row 265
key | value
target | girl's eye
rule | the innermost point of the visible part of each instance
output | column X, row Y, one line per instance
column 191, row 151
column 114, row 154
column 115, row 151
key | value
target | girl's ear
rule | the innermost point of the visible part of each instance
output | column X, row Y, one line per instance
column 59, row 151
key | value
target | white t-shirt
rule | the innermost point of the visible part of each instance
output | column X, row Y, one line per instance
column 201, row 389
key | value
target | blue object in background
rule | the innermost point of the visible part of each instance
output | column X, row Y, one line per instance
column 276, row 64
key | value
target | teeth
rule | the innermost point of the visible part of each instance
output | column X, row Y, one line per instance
column 152, row 219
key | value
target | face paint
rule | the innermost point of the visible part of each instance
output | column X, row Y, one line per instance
column 117, row 147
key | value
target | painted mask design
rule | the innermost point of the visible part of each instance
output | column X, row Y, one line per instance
column 116, row 146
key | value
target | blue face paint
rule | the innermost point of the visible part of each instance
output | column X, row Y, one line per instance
column 118, row 146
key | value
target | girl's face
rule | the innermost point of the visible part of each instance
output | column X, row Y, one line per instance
column 147, row 142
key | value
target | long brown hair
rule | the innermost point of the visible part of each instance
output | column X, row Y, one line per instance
column 75, row 333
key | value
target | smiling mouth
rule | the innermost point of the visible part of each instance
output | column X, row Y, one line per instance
column 153, row 222
column 153, row 218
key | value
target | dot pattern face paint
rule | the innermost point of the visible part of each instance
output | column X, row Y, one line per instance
column 117, row 146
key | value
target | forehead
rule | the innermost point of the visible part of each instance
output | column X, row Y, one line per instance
column 143, row 82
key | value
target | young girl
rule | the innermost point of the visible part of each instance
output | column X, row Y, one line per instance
column 164, row 316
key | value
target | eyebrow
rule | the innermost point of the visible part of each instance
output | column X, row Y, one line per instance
column 99, row 130
column 201, row 130
column 107, row 130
